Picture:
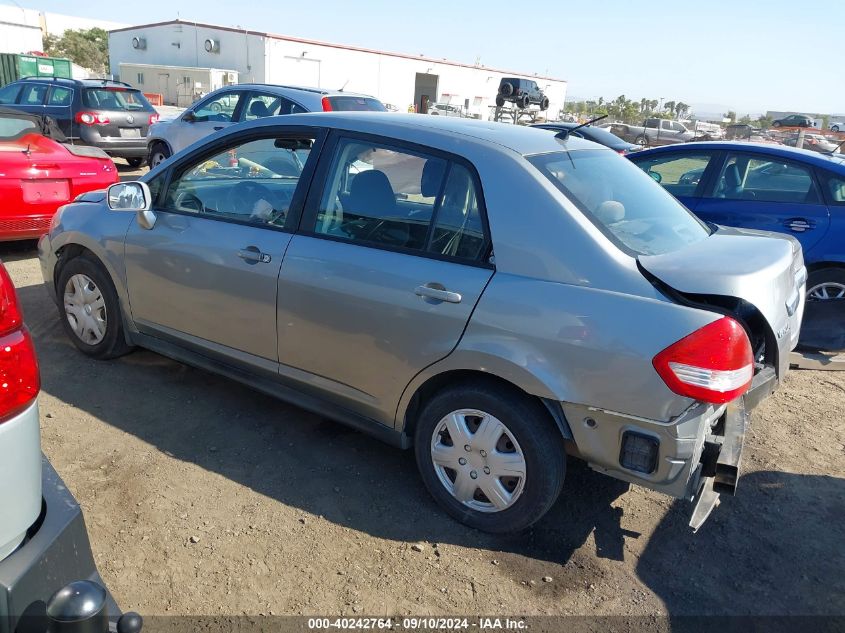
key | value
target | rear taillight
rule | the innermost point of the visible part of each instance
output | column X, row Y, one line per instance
column 153, row 118
column 91, row 118
column 19, row 379
column 327, row 104
column 10, row 314
column 713, row 364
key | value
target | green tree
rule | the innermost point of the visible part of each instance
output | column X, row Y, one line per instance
column 730, row 115
column 764, row 121
column 681, row 109
column 669, row 107
column 87, row 47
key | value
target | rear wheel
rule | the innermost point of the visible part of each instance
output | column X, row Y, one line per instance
column 500, row 101
column 642, row 141
column 491, row 457
column 90, row 310
column 826, row 284
column 834, row 128
column 135, row 162
column 158, row 154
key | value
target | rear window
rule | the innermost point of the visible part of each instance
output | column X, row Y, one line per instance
column 625, row 203
column 114, row 99
column 356, row 104
column 13, row 127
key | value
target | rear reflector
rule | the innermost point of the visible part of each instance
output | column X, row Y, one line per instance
column 713, row 364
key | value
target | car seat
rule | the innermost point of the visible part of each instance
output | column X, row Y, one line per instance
column 372, row 198
column 732, row 182
column 258, row 109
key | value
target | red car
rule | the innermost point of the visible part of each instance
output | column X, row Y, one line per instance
column 39, row 173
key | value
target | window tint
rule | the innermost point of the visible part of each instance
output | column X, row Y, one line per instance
column 764, row 180
column 458, row 229
column 379, row 195
column 220, row 108
column 114, row 99
column 33, row 94
column 253, row 182
column 356, row 104
column 9, row 93
column 835, row 187
column 12, row 127
column 679, row 174
column 263, row 105
column 620, row 199
column 59, row 96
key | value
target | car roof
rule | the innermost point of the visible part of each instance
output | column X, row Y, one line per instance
column 417, row 128
column 318, row 91
column 781, row 151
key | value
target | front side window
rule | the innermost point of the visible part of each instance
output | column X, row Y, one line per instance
column 219, row 108
column 253, row 182
column 681, row 174
column 33, row 94
column 764, row 180
column 384, row 196
column 619, row 198
column 9, row 94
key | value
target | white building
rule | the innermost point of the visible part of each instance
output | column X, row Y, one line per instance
column 395, row 78
column 22, row 30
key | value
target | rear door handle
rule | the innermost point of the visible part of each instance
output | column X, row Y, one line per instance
column 437, row 292
column 251, row 255
column 798, row 225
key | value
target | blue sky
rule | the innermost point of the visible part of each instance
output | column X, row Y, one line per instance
column 750, row 55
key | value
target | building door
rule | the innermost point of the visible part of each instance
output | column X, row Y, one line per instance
column 425, row 91
column 164, row 88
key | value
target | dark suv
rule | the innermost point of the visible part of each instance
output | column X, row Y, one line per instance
column 107, row 114
column 522, row 92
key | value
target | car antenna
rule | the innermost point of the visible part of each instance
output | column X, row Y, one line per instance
column 28, row 151
column 838, row 146
column 564, row 134
column 343, row 86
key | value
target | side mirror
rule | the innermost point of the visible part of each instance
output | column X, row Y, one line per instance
column 189, row 117
column 133, row 196
column 655, row 176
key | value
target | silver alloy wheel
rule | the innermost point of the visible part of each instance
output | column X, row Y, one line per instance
column 826, row 291
column 85, row 309
column 478, row 460
column 157, row 158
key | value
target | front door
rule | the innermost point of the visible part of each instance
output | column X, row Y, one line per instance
column 211, row 115
column 391, row 258
column 766, row 192
column 206, row 273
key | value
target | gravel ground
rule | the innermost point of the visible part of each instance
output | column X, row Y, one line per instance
column 204, row 497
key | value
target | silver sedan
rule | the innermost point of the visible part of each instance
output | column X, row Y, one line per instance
column 496, row 297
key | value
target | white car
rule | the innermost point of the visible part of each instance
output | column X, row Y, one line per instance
column 837, row 126
column 444, row 109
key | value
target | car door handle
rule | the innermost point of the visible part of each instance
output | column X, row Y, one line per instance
column 437, row 292
column 217, row 128
column 251, row 255
column 798, row 225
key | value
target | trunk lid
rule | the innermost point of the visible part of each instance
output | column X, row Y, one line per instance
column 732, row 266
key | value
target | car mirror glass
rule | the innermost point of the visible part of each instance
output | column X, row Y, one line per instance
column 129, row 196
column 655, row 176
column 189, row 117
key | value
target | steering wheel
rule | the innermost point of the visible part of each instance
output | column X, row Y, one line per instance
column 243, row 196
column 189, row 202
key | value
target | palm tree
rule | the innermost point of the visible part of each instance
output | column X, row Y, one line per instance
column 681, row 109
column 644, row 103
column 669, row 107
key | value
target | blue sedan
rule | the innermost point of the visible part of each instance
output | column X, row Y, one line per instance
column 767, row 187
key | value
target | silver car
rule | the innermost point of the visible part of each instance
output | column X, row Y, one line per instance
column 246, row 102
column 495, row 296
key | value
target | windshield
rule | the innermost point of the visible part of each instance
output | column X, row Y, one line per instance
column 114, row 99
column 356, row 104
column 630, row 207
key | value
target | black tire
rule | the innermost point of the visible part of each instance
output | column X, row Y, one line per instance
column 642, row 141
column 536, row 435
column 833, row 278
column 775, row 123
column 135, row 162
column 506, row 89
column 544, row 104
column 113, row 343
column 500, row 101
column 159, row 153
column 834, row 128
column 524, row 102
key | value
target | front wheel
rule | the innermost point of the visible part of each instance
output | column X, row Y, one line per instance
column 158, row 154
column 135, row 162
column 642, row 141
column 491, row 457
column 544, row 104
column 90, row 310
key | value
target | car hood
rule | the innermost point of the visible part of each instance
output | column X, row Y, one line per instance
column 764, row 269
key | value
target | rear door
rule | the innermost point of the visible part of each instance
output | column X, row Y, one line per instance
column 214, row 113
column 762, row 191
column 390, row 260
column 59, row 100
column 683, row 174
column 206, row 274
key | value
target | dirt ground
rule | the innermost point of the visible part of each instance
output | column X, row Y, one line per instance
column 204, row 497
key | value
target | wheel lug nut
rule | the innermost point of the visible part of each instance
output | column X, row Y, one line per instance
column 473, row 474
column 484, row 453
column 462, row 461
column 467, row 448
column 486, row 470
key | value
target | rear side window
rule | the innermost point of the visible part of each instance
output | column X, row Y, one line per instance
column 629, row 207
column 384, row 196
column 114, row 99
column 33, row 94
column 59, row 96
column 835, row 188
column 765, row 180
column 356, row 104
column 8, row 94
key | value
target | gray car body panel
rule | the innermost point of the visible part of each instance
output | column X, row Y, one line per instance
column 565, row 314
